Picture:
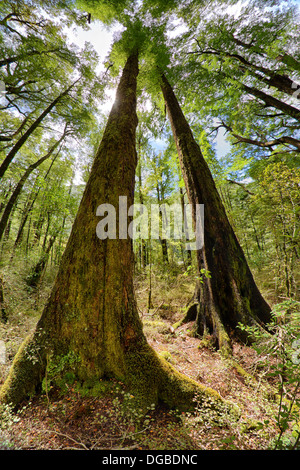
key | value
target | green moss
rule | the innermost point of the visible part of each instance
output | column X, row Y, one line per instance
column 25, row 374
column 60, row 371
column 154, row 379
column 97, row 387
column 207, row 342
column 251, row 425
column 190, row 315
column 167, row 356
column 241, row 371
column 155, row 326
column 177, row 324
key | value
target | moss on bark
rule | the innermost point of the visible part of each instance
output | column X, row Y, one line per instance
column 230, row 295
column 26, row 373
column 92, row 312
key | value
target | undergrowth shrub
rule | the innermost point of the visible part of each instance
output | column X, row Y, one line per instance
column 279, row 349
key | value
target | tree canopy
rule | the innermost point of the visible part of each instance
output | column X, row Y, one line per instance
column 184, row 73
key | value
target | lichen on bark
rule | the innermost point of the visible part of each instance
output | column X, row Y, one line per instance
column 92, row 311
column 229, row 296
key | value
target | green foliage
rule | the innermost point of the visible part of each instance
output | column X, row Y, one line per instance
column 278, row 200
column 150, row 43
column 7, row 416
column 39, row 64
column 126, row 408
column 264, row 211
column 60, row 372
column 218, row 53
column 108, row 11
column 224, row 49
column 279, row 350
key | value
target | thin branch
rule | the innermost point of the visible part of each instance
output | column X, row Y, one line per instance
column 242, row 186
column 67, row 437
column 284, row 140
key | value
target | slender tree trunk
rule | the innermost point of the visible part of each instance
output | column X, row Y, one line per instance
column 13, row 198
column 185, row 227
column 12, row 153
column 25, row 215
column 163, row 241
column 27, row 238
column 141, row 201
column 230, row 295
column 3, row 313
column 34, row 278
column 30, row 204
column 38, row 227
column 49, row 219
column 59, row 251
column 92, row 312
column 269, row 100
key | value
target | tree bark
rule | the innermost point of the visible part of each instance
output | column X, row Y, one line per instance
column 283, row 140
column 15, row 149
column 3, row 313
column 92, row 312
column 20, row 57
column 280, row 81
column 270, row 101
column 15, row 194
column 230, row 295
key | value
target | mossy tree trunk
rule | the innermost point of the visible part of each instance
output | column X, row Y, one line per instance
column 3, row 313
column 34, row 278
column 91, row 314
column 18, row 189
column 25, row 136
column 230, row 296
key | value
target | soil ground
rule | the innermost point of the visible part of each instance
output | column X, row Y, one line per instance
column 55, row 421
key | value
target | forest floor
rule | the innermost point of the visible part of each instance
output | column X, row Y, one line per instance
column 74, row 420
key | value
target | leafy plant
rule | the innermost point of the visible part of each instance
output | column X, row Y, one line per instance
column 279, row 349
column 60, row 372
column 7, row 417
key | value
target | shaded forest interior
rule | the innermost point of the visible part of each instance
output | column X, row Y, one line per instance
column 215, row 330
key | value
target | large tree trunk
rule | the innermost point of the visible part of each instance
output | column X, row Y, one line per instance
column 230, row 295
column 92, row 314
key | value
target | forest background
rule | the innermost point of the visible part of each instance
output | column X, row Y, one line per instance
column 235, row 67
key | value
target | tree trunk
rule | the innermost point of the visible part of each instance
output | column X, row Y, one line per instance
column 91, row 315
column 185, row 228
column 269, row 100
column 37, row 271
column 230, row 295
column 25, row 215
column 15, row 194
column 28, row 208
column 163, row 241
column 12, row 153
column 141, row 201
column 3, row 313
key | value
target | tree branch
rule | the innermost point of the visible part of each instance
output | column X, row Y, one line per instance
column 267, row 144
column 242, row 186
